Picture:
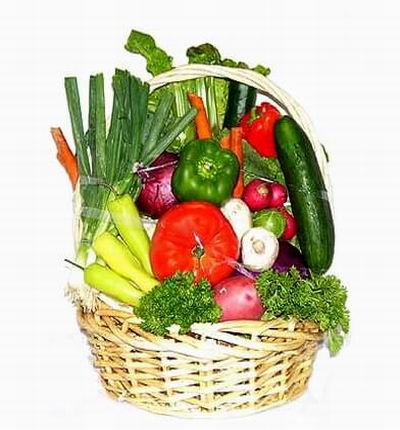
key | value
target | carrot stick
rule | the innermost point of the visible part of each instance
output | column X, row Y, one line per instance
column 225, row 142
column 65, row 155
column 203, row 128
column 237, row 149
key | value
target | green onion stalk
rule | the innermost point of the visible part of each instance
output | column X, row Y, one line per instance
column 106, row 157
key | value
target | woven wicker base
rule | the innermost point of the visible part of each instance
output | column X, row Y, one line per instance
column 230, row 369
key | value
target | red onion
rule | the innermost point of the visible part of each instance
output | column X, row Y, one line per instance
column 289, row 256
column 257, row 194
column 156, row 196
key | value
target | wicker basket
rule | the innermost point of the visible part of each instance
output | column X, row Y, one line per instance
column 230, row 368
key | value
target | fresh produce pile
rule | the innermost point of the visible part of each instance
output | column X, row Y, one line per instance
column 196, row 205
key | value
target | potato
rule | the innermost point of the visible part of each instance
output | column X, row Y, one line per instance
column 238, row 298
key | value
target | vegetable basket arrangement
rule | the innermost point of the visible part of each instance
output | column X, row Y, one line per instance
column 203, row 236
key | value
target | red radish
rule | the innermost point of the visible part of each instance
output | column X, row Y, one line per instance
column 291, row 225
column 238, row 298
column 278, row 195
column 257, row 194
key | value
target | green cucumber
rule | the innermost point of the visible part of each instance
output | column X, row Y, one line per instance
column 307, row 193
column 241, row 98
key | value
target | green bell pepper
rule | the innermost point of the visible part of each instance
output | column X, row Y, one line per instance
column 205, row 172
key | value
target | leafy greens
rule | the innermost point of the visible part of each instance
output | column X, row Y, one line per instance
column 214, row 91
column 256, row 166
column 321, row 299
column 178, row 301
column 143, row 44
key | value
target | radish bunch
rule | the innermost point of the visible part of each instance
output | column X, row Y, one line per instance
column 260, row 194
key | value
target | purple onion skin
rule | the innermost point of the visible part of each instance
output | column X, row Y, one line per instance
column 289, row 256
column 156, row 196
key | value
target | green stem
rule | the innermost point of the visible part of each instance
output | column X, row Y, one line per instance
column 253, row 115
column 211, row 103
column 82, row 253
column 74, row 107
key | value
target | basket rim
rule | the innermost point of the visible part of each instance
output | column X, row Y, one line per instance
column 239, row 338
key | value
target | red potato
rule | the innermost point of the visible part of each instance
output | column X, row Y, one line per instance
column 237, row 296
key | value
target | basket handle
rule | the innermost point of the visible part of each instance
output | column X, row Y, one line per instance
column 264, row 86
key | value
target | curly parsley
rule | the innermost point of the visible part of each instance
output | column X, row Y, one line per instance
column 321, row 299
column 178, row 301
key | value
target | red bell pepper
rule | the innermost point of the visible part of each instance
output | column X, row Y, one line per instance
column 258, row 128
column 194, row 236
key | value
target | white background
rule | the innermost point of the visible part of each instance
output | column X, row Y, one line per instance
column 340, row 59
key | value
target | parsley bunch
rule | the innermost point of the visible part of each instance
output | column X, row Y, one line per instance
column 178, row 300
column 321, row 299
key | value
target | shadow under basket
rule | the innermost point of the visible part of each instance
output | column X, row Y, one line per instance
column 231, row 368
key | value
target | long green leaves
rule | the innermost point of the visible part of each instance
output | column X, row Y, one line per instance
column 74, row 107
column 170, row 136
column 100, row 130
column 158, row 120
column 96, row 134
column 139, row 115
column 106, row 160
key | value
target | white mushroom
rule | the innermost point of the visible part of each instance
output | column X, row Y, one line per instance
column 238, row 214
column 259, row 249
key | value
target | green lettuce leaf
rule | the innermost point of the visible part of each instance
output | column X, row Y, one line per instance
column 204, row 54
column 158, row 61
column 256, row 166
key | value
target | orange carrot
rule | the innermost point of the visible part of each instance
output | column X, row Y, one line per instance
column 237, row 148
column 203, row 128
column 225, row 142
column 65, row 155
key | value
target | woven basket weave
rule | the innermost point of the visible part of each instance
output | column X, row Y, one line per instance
column 230, row 368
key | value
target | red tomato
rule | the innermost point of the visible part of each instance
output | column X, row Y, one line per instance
column 194, row 236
